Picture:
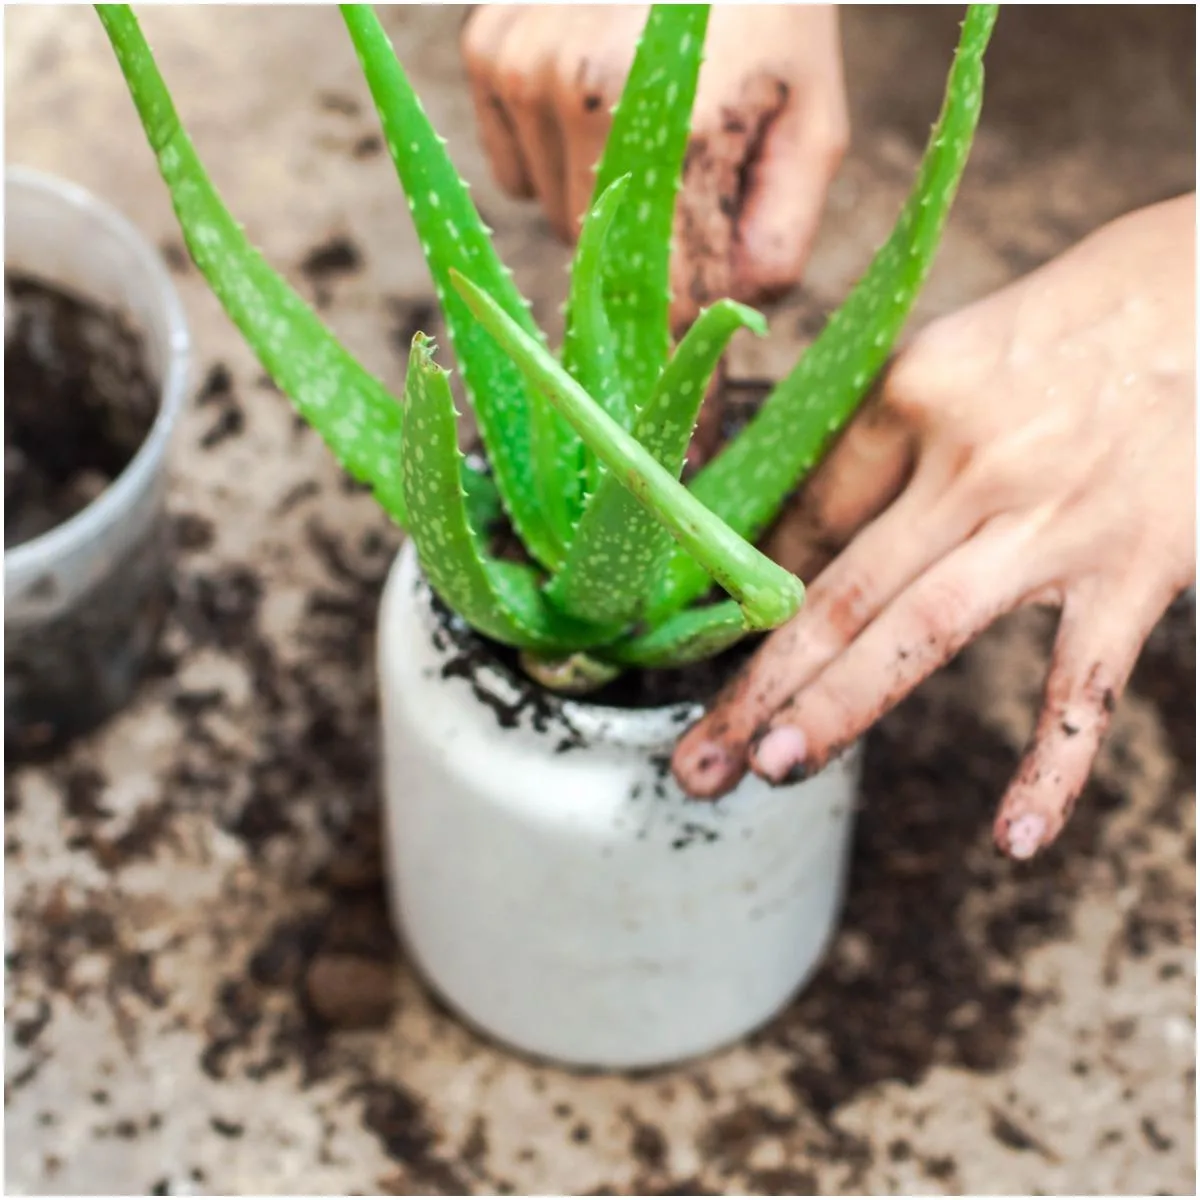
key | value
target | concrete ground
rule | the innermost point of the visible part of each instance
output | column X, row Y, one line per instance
column 183, row 890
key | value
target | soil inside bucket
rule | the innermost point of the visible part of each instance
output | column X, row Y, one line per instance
column 79, row 401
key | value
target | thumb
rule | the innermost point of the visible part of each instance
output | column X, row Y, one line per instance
column 800, row 152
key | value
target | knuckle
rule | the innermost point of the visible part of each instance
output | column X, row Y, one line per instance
column 992, row 484
column 778, row 261
column 941, row 612
column 903, row 388
column 941, row 339
column 978, row 486
column 1075, row 717
column 830, row 128
column 562, row 73
column 764, row 92
column 578, row 88
column 846, row 607
column 799, row 539
column 1099, row 692
column 830, row 712
column 479, row 40
column 585, row 114
column 930, row 375
column 518, row 86
column 955, row 351
column 768, row 269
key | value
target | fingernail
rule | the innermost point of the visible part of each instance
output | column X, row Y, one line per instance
column 705, row 765
column 780, row 751
column 1025, row 835
column 798, row 773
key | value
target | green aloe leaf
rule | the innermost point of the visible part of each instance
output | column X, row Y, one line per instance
column 558, row 466
column 589, row 353
column 619, row 546
column 501, row 600
column 768, row 594
column 453, row 236
column 686, row 637
column 352, row 411
column 750, row 480
column 647, row 142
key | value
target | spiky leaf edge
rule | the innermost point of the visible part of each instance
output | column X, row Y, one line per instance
column 589, row 351
column 350, row 409
column 620, row 547
column 648, row 141
column 501, row 600
column 453, row 236
column 767, row 593
column 748, row 482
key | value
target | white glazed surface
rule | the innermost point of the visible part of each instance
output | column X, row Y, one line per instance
column 557, row 888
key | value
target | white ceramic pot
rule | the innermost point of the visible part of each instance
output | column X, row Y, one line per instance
column 556, row 887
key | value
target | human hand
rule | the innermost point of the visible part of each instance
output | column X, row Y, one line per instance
column 1036, row 447
column 769, row 128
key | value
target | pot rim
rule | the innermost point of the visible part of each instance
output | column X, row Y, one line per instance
column 24, row 563
column 654, row 729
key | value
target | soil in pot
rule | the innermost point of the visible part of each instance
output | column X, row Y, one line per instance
column 80, row 400
column 696, row 683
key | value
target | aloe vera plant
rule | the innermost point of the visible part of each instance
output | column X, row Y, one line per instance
column 586, row 448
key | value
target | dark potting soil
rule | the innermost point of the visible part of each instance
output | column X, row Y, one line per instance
column 79, row 402
column 694, row 684
column 741, row 400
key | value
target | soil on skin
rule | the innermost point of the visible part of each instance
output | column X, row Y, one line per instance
column 78, row 402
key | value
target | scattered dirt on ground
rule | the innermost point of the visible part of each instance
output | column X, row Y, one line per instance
column 1169, row 659
column 217, row 393
column 912, row 980
column 328, row 262
column 350, row 991
column 925, row 969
